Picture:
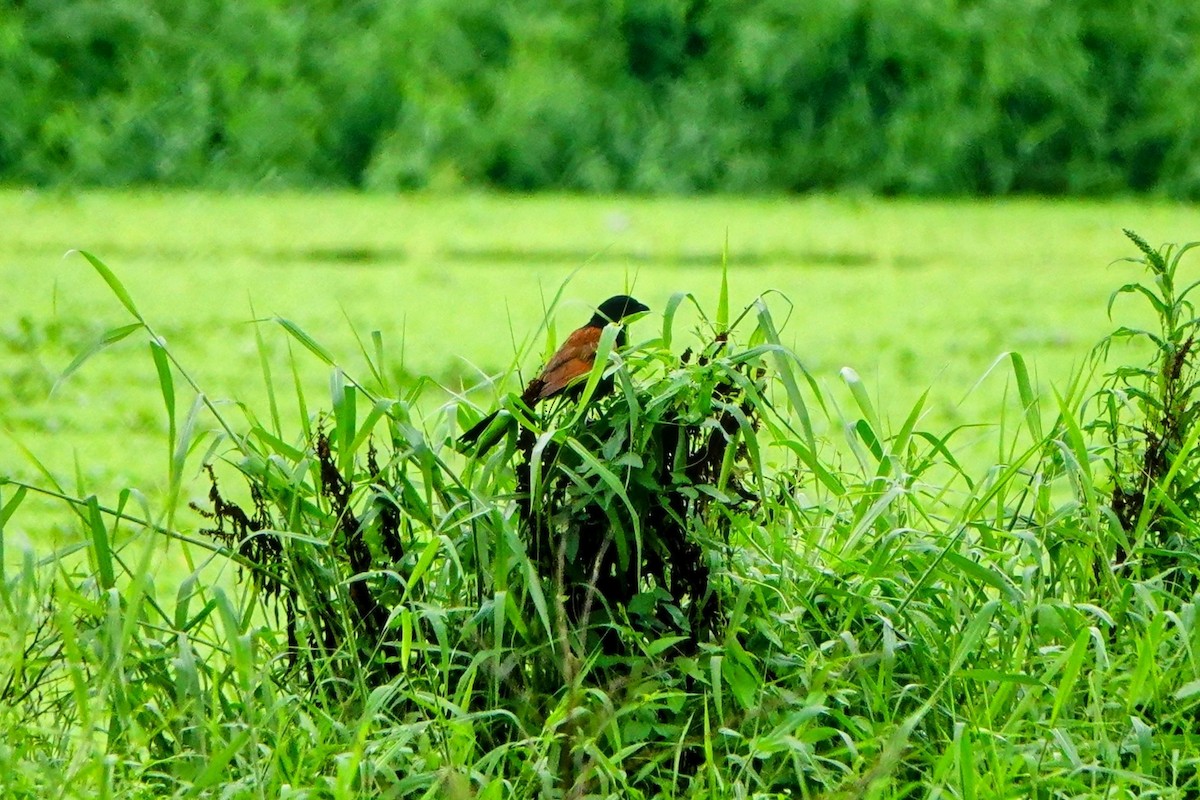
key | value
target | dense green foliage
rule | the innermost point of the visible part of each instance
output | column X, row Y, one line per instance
column 892, row 96
column 881, row 620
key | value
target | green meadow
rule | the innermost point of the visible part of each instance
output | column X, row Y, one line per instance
column 914, row 295
column 861, row 517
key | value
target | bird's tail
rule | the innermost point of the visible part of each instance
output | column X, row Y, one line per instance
column 483, row 435
column 475, row 431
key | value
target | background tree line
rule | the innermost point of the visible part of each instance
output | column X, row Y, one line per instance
column 891, row 96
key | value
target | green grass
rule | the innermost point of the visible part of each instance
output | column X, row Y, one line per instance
column 905, row 606
column 911, row 294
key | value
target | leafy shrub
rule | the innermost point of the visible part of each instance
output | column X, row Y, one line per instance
column 664, row 96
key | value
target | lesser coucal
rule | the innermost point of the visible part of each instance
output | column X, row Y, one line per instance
column 573, row 359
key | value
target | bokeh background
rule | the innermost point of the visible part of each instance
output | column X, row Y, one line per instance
column 926, row 97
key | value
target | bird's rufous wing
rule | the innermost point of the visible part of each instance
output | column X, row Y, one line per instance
column 574, row 358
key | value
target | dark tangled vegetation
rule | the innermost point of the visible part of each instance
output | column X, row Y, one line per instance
column 715, row 580
column 1077, row 96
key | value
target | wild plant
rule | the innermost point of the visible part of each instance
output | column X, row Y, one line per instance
column 1147, row 415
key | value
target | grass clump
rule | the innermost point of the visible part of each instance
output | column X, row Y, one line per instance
column 719, row 579
column 1148, row 415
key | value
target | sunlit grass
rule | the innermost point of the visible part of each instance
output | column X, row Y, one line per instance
column 910, row 294
column 892, row 620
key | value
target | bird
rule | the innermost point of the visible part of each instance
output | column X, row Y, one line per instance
column 574, row 358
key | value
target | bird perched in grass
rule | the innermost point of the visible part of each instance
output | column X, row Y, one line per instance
column 573, row 359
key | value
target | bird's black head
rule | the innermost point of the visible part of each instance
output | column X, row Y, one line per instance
column 615, row 309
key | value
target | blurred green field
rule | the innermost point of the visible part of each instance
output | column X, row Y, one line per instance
column 912, row 294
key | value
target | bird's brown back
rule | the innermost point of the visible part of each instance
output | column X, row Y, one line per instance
column 574, row 358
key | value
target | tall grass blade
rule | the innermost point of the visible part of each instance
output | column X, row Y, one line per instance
column 1028, row 397
column 114, row 284
column 722, row 319
column 310, row 344
column 109, row 338
column 101, row 545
